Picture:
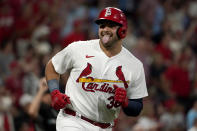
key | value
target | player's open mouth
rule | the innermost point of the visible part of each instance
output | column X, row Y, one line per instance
column 106, row 38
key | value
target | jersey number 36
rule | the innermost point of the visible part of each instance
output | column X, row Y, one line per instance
column 112, row 103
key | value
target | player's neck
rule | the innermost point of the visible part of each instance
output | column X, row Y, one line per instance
column 113, row 50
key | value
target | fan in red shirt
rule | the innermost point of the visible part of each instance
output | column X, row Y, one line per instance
column 178, row 77
column 164, row 50
column 76, row 35
column 6, row 21
column 13, row 82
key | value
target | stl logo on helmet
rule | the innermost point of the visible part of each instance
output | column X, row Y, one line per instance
column 108, row 12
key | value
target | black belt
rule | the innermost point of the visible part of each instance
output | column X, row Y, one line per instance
column 73, row 113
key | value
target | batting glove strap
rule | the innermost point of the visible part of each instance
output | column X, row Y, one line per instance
column 125, row 103
column 59, row 100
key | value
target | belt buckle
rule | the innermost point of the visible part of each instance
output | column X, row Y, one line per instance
column 111, row 125
column 78, row 115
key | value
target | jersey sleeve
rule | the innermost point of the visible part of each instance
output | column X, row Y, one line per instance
column 137, row 88
column 63, row 60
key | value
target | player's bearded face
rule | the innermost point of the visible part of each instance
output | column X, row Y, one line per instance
column 108, row 34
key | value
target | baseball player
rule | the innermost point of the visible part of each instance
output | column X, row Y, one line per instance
column 104, row 77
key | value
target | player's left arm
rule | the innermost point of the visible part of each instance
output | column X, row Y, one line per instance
column 131, row 107
column 134, row 107
column 131, row 99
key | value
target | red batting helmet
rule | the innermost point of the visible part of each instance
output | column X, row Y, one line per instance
column 115, row 15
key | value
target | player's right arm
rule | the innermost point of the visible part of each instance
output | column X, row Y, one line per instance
column 50, row 72
column 59, row 100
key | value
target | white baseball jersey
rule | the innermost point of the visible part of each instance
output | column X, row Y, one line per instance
column 92, row 76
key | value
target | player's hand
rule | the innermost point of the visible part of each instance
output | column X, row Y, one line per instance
column 59, row 100
column 121, row 96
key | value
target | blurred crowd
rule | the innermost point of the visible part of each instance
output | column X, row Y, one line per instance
column 161, row 33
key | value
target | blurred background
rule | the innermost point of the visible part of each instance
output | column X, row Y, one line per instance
column 161, row 33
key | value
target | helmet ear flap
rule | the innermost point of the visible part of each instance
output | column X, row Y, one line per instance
column 121, row 32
